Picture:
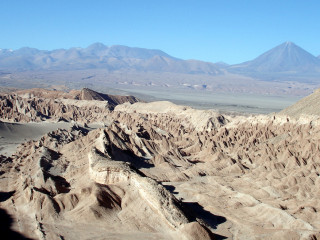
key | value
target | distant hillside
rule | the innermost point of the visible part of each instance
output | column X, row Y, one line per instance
column 83, row 94
column 99, row 56
column 284, row 60
column 284, row 70
column 306, row 106
column 113, row 100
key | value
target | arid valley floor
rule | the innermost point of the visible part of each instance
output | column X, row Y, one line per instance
column 85, row 165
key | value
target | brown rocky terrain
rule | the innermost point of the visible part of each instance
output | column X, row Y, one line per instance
column 162, row 171
column 84, row 106
column 83, row 94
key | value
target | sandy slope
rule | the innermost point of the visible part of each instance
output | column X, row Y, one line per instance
column 13, row 134
column 308, row 106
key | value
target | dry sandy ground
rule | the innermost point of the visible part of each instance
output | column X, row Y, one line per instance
column 224, row 102
column 13, row 134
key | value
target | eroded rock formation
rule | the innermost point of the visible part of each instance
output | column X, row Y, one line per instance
column 158, row 170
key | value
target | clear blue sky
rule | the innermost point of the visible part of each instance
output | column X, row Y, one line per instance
column 232, row 31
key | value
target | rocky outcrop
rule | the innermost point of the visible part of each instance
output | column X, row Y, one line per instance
column 18, row 109
column 191, row 118
column 158, row 170
column 83, row 94
column 113, row 100
column 107, row 171
column 78, row 105
column 80, row 177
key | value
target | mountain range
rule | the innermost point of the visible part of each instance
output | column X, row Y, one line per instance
column 285, row 69
column 285, row 58
column 99, row 56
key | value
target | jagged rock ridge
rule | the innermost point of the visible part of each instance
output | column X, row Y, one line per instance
column 158, row 170
column 85, row 105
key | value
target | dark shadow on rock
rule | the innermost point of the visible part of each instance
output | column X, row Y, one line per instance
column 118, row 154
column 6, row 232
column 196, row 211
column 62, row 185
column 126, row 155
column 219, row 237
column 4, row 196
column 129, row 156
column 214, row 236
column 4, row 159
column 199, row 212
column 170, row 188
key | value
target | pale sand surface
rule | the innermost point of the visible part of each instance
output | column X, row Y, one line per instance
column 13, row 134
